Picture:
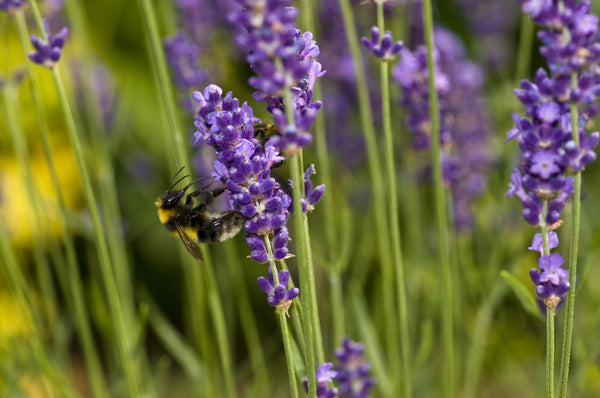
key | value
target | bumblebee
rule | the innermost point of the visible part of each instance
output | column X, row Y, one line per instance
column 264, row 131
column 196, row 223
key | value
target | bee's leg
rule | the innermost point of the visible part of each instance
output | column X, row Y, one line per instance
column 210, row 195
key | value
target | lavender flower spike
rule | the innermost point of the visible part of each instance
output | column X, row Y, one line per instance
column 324, row 375
column 11, row 6
column 385, row 49
column 353, row 370
column 48, row 53
column 284, row 58
column 310, row 196
column 244, row 166
column 279, row 296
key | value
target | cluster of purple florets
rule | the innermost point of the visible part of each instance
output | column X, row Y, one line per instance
column 549, row 149
column 284, row 59
column 11, row 5
column 384, row 47
column 278, row 295
column 353, row 370
column 351, row 373
column 48, row 53
column 570, row 44
column 244, row 166
column 412, row 74
column 185, row 49
column 551, row 280
column 463, row 128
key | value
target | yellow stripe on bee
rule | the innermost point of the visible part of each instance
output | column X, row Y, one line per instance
column 191, row 233
column 165, row 215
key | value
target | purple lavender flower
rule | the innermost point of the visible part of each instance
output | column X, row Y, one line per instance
column 412, row 74
column 284, row 59
column 491, row 24
column 244, row 167
column 48, row 53
column 101, row 84
column 310, row 196
column 570, row 44
column 279, row 296
column 11, row 6
column 183, row 56
column 570, row 34
column 552, row 283
column 324, row 375
column 384, row 48
column 353, row 370
column 538, row 242
column 464, row 127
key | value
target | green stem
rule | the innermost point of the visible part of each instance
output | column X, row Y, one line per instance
column 285, row 332
column 216, row 310
column 323, row 157
column 573, row 253
column 525, row 46
column 247, row 317
column 306, row 275
column 549, row 352
column 75, row 289
column 175, row 139
column 112, row 293
column 305, row 264
column 550, row 314
column 287, row 346
column 177, row 145
column 376, row 177
column 394, row 223
column 38, row 235
column 440, row 211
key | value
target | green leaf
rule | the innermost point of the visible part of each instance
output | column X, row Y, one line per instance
column 523, row 294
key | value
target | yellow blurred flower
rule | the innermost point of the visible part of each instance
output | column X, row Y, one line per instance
column 16, row 211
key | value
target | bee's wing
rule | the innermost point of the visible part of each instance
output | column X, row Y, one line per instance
column 190, row 245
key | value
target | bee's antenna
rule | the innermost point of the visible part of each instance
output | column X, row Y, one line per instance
column 169, row 185
column 196, row 180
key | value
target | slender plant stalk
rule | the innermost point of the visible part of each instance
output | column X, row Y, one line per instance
column 328, row 212
column 441, row 217
column 573, row 253
column 285, row 332
column 549, row 352
column 394, row 219
column 74, row 289
column 178, row 146
column 35, row 219
column 376, row 174
column 247, row 317
column 123, row 339
column 306, row 275
column 121, row 336
column 216, row 311
column 104, row 165
column 525, row 46
column 550, row 314
column 311, row 323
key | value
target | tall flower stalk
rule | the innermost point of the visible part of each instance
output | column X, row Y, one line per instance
column 123, row 339
column 441, row 216
column 384, row 48
column 283, row 58
column 554, row 142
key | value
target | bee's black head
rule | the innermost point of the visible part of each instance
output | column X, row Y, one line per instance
column 170, row 199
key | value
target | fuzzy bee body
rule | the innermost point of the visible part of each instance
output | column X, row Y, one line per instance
column 196, row 223
column 264, row 131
